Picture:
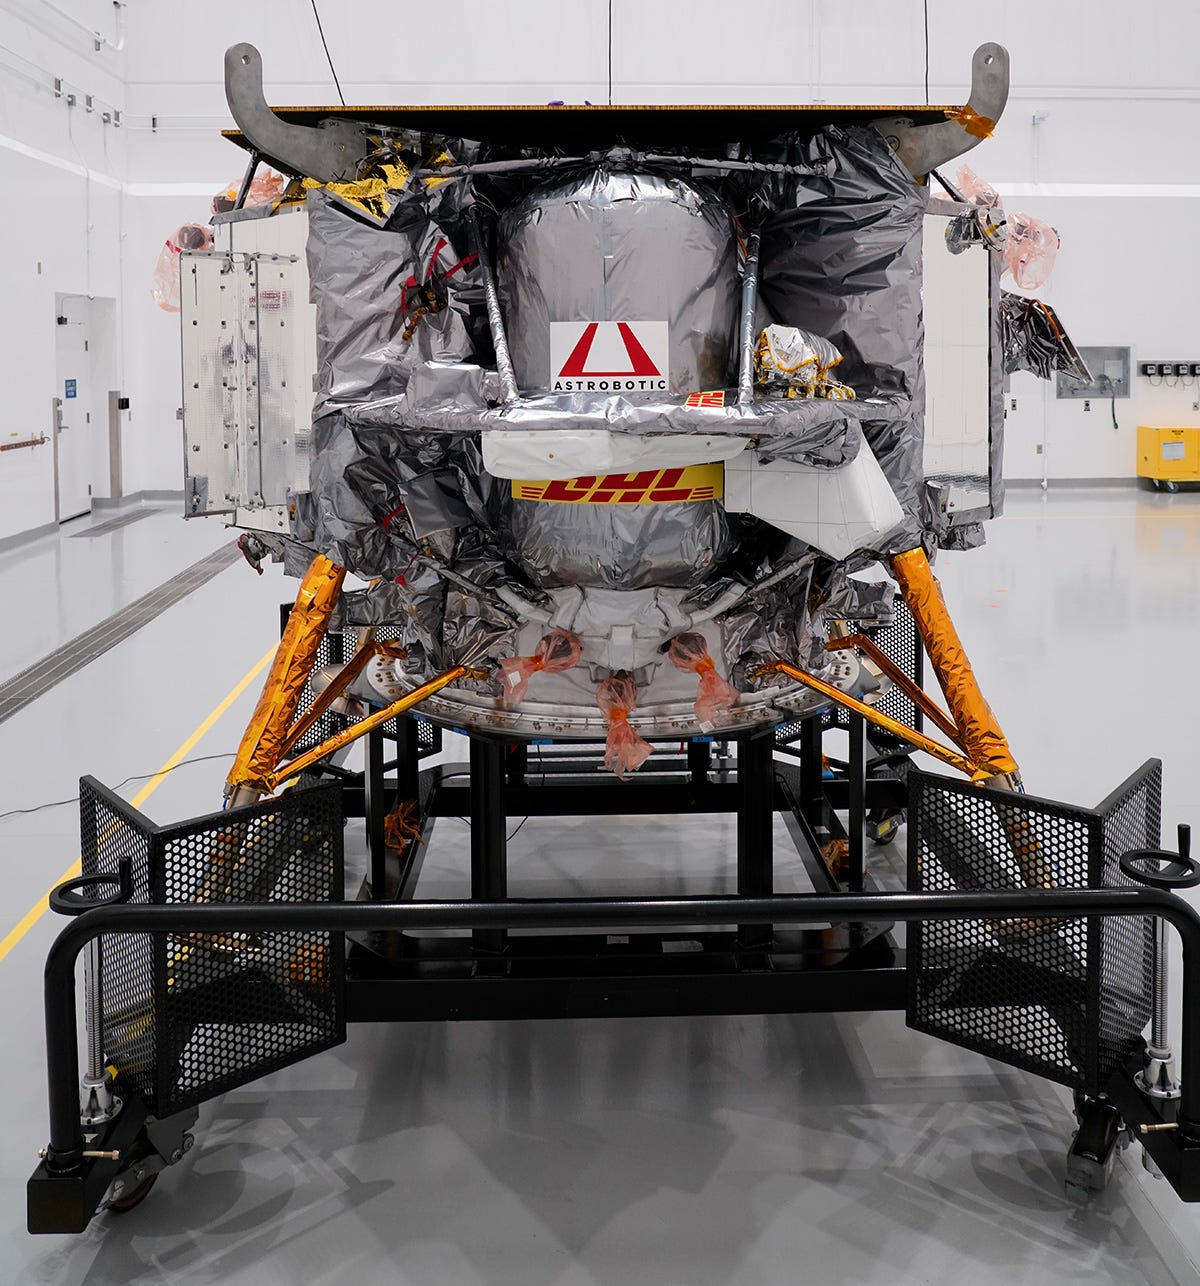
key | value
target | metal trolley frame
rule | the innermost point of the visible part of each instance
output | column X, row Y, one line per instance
column 273, row 974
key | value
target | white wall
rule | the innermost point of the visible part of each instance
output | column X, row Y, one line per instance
column 1127, row 274
column 1098, row 99
column 60, row 225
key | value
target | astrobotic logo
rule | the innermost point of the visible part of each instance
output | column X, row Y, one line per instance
column 609, row 357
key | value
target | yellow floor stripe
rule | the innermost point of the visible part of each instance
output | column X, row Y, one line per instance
column 39, row 908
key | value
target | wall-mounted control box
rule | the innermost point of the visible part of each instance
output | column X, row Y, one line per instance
column 1110, row 367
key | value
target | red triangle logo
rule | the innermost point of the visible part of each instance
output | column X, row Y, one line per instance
column 640, row 362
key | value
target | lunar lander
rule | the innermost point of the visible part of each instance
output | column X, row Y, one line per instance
column 637, row 429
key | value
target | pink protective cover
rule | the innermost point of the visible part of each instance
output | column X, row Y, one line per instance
column 624, row 751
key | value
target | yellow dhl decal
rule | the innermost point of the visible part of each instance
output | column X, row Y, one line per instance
column 650, row 487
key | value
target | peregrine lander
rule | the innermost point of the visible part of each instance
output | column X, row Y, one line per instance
column 613, row 410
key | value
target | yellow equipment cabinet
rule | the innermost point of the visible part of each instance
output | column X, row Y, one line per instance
column 1168, row 456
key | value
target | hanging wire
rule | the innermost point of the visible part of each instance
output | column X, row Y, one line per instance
column 926, row 8
column 143, row 776
column 328, row 59
column 610, row 53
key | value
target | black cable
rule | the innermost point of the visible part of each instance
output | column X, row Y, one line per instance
column 542, row 766
column 1105, row 382
column 926, row 7
column 507, row 838
column 328, row 59
column 951, row 190
column 610, row 53
column 37, row 808
column 145, row 776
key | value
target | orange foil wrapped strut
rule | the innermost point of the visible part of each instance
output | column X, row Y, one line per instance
column 265, row 736
column 715, row 695
column 978, row 730
column 624, row 751
column 557, row 651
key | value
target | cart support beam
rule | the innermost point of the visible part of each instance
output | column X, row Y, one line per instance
column 64, row 1154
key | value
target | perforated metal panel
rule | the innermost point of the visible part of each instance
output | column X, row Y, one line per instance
column 188, row 1017
column 1132, row 818
column 110, row 829
column 335, row 649
column 1065, row 999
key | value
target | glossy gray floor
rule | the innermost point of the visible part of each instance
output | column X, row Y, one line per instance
column 692, row 1151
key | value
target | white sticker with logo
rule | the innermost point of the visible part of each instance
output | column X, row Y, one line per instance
column 609, row 357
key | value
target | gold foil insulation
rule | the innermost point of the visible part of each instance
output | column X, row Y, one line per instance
column 369, row 724
column 263, row 742
column 979, row 732
column 376, row 192
column 976, row 125
column 402, row 825
column 798, row 362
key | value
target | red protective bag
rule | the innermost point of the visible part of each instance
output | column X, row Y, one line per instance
column 715, row 696
column 976, row 189
column 265, row 188
column 557, row 651
column 624, row 751
column 164, row 285
column 1030, row 251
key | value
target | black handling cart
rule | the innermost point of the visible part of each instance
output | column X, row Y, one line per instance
column 187, row 998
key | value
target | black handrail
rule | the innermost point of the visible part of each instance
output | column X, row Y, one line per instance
column 65, row 1151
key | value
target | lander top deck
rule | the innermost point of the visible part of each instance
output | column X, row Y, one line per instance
column 328, row 143
column 591, row 125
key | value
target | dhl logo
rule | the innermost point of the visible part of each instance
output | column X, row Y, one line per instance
column 650, row 487
column 715, row 397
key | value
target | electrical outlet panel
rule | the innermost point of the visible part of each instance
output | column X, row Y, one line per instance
column 1169, row 370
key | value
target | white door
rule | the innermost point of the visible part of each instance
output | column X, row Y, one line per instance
column 74, row 410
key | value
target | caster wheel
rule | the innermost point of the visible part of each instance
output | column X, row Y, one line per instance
column 1095, row 1145
column 1156, row 484
column 1172, row 487
column 882, row 827
column 131, row 1200
column 884, row 832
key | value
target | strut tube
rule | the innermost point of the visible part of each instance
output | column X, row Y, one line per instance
column 265, row 736
column 1037, row 871
column 978, row 730
column 338, row 684
column 871, row 715
column 369, row 724
column 918, row 696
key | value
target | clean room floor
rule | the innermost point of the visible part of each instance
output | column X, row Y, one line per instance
column 750, row 1150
